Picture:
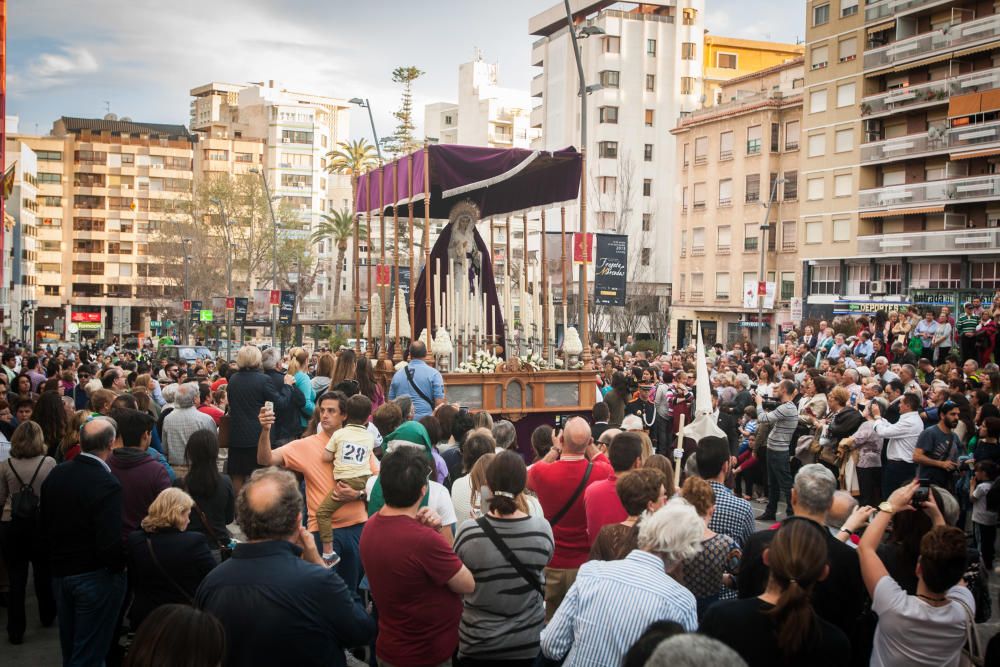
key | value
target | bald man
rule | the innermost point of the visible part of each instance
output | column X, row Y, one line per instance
column 559, row 480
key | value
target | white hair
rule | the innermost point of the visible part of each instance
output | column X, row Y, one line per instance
column 186, row 394
column 269, row 358
column 814, row 487
column 673, row 532
column 632, row 423
column 93, row 385
column 694, row 650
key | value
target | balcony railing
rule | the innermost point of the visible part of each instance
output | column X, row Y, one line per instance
column 880, row 10
column 944, row 191
column 957, row 138
column 930, row 93
column 929, row 43
column 950, row 241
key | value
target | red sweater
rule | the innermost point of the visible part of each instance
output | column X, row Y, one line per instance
column 554, row 483
column 603, row 506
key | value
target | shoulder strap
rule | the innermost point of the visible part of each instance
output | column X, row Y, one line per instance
column 207, row 525
column 18, row 477
column 572, row 499
column 156, row 562
column 511, row 557
column 409, row 378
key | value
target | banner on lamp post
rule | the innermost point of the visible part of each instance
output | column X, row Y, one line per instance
column 195, row 311
column 218, row 307
column 583, row 248
column 260, row 308
column 610, row 270
column 286, row 307
column 240, row 306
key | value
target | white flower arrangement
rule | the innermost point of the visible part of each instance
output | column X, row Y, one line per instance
column 533, row 361
column 480, row 362
column 560, row 365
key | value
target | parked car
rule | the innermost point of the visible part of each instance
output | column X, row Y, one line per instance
column 187, row 353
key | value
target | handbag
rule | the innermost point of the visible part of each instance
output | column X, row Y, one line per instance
column 972, row 650
column 515, row 562
column 225, row 551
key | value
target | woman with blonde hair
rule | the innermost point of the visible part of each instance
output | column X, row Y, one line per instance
column 324, row 372
column 345, row 368
column 712, row 569
column 298, row 360
column 166, row 563
column 70, row 445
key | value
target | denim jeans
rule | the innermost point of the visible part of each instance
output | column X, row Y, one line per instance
column 779, row 481
column 347, row 544
column 88, row 605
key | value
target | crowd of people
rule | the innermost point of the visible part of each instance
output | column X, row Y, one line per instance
column 309, row 508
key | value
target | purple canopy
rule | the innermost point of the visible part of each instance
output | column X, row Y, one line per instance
column 497, row 180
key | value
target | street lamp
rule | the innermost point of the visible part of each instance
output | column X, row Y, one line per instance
column 365, row 104
column 186, row 319
column 575, row 37
column 274, row 247
column 764, row 228
column 229, row 272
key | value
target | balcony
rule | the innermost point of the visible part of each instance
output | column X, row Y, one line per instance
column 929, row 44
column 963, row 138
column 951, row 241
column 537, row 85
column 885, row 8
column 955, row 190
column 929, row 94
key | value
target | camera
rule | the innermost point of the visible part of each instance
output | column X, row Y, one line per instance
column 769, row 404
column 921, row 494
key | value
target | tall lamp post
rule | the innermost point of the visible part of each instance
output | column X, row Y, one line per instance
column 764, row 229
column 365, row 104
column 575, row 37
column 186, row 319
column 274, row 250
column 229, row 271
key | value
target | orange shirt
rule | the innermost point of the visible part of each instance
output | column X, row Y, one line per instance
column 306, row 456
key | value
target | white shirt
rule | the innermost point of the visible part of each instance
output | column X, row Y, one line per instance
column 902, row 435
column 466, row 508
column 912, row 632
column 439, row 500
column 98, row 459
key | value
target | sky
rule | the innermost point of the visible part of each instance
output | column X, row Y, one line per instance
column 140, row 58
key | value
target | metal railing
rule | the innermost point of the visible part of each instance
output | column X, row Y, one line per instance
column 880, row 10
column 929, row 44
column 956, row 138
column 949, row 241
column 931, row 192
column 932, row 92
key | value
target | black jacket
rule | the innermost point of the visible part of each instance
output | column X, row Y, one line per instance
column 281, row 610
column 81, row 516
column 287, row 426
column 843, row 425
column 727, row 423
column 184, row 560
column 248, row 391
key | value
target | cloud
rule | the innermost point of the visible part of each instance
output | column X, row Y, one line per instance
column 57, row 68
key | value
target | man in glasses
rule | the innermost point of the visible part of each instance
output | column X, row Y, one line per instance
column 938, row 447
column 83, row 374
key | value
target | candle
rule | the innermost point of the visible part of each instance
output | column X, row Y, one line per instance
column 493, row 317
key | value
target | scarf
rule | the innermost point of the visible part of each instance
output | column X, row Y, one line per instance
column 411, row 434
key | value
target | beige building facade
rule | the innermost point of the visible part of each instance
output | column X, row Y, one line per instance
column 731, row 158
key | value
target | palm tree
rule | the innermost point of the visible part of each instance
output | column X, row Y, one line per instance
column 339, row 228
column 353, row 158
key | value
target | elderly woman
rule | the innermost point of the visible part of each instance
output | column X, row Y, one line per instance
column 866, row 448
column 249, row 389
column 640, row 491
column 843, row 422
column 613, row 602
column 505, row 435
column 166, row 562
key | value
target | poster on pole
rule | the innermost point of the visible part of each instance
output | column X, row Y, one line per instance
column 240, row 306
column 404, row 282
column 195, row 311
column 260, row 308
column 286, row 307
column 610, row 270
column 796, row 308
column 769, row 293
column 750, row 293
column 583, row 248
column 218, row 307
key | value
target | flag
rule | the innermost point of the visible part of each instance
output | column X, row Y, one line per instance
column 8, row 182
column 134, row 204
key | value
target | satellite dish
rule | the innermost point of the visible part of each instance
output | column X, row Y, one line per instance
column 110, row 116
column 126, row 119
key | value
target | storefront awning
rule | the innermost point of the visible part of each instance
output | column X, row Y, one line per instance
column 901, row 211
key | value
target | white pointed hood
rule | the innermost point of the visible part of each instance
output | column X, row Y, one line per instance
column 375, row 315
column 703, row 423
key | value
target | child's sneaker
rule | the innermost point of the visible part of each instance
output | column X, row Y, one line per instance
column 331, row 559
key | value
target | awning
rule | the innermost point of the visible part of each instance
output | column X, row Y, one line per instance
column 975, row 49
column 893, row 213
column 919, row 63
column 879, row 27
column 972, row 154
column 991, row 100
column 964, row 105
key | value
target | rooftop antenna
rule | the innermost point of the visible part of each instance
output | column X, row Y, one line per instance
column 107, row 106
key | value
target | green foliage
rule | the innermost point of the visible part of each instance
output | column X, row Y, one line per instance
column 402, row 140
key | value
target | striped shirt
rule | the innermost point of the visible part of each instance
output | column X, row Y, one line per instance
column 611, row 605
column 503, row 617
column 966, row 324
column 784, row 420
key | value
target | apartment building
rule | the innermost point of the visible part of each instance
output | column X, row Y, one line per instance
column 18, row 294
column 727, row 58
column 485, row 115
column 732, row 157
column 289, row 133
column 105, row 186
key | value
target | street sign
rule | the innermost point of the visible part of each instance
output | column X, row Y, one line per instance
column 155, row 324
column 74, row 327
column 206, row 315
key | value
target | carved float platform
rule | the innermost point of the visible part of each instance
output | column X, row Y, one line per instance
column 513, row 395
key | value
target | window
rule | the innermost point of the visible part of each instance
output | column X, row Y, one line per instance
column 753, row 188
column 842, row 185
column 787, row 285
column 842, row 229
column 651, row 82
column 44, row 177
column 686, row 151
column 889, row 275
column 647, row 187
column 792, row 135
column 814, row 231
column 817, row 145
column 819, row 57
column 751, row 234
column 684, row 236
column 687, row 50
column 697, row 285
column 296, row 180
column 985, row 275
column 698, row 240
column 726, row 192
column 687, row 85
column 609, row 78
column 683, row 281
column 821, row 14
column 848, row 8
column 843, row 140
column 651, row 47
column 814, row 188
column 612, row 44
column 608, row 114
column 48, row 156
column 789, row 235
column 605, row 220
column 647, row 153
column 684, row 199
column 817, row 101
column 935, row 276
column 647, row 222
column 753, row 140
column 90, row 157
column 847, row 49
column 688, row 16
column 607, row 185
column 724, row 238
column 726, row 145
column 699, row 196
column 845, row 94
column 725, row 60
column 772, row 186
column 296, row 137
column 649, row 118
column 722, row 285
column 775, row 132
column 791, row 186
column 646, row 254
column 858, row 276
column 701, row 150
column 244, row 157
column 608, row 149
